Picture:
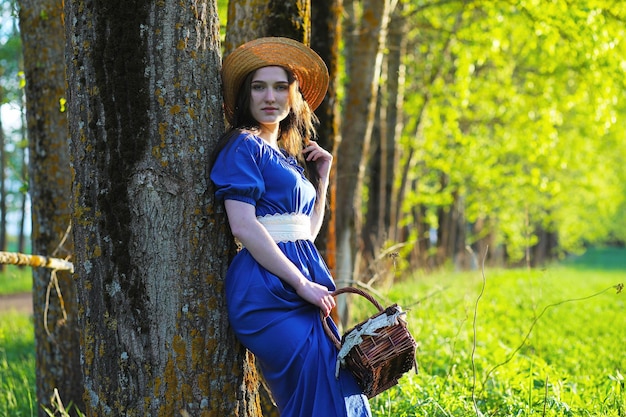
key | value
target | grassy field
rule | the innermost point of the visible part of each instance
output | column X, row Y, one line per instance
column 545, row 342
column 17, row 366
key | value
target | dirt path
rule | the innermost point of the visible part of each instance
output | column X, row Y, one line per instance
column 22, row 303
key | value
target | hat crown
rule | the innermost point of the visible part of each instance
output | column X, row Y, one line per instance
column 305, row 64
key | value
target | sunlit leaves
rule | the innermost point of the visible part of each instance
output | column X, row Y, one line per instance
column 515, row 110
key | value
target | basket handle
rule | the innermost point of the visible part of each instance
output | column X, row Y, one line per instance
column 340, row 291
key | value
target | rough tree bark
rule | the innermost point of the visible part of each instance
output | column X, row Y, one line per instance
column 55, row 317
column 152, row 246
column 251, row 19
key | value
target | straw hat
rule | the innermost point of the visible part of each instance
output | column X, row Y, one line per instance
column 307, row 66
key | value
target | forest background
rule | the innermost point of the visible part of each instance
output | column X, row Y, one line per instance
column 489, row 125
column 509, row 132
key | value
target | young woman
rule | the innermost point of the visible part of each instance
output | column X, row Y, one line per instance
column 273, row 179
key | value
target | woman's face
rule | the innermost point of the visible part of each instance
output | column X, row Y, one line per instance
column 269, row 91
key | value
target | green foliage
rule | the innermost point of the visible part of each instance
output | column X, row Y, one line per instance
column 548, row 342
column 222, row 10
column 10, row 52
column 513, row 109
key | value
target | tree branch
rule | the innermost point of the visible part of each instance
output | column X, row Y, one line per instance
column 36, row 261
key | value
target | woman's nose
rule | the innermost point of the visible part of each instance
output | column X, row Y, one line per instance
column 269, row 94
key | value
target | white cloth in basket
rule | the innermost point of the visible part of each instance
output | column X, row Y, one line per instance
column 369, row 328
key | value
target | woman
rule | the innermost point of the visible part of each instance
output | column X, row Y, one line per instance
column 273, row 180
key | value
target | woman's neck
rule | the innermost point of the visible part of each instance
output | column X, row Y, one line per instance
column 270, row 135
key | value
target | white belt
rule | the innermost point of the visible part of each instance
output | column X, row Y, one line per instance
column 287, row 227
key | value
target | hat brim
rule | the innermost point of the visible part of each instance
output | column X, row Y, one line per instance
column 307, row 66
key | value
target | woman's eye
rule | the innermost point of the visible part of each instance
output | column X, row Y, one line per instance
column 257, row 87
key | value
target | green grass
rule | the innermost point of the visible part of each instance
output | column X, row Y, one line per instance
column 548, row 342
column 17, row 366
column 15, row 280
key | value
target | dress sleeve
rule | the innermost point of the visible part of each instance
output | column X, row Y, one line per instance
column 237, row 171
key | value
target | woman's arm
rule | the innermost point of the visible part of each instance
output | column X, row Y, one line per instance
column 252, row 234
column 324, row 162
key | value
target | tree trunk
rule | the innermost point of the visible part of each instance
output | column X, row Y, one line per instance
column 54, row 295
column 3, row 192
column 152, row 246
column 363, row 65
column 325, row 37
column 21, row 239
column 410, row 166
column 380, row 225
column 396, row 70
column 251, row 19
column 246, row 21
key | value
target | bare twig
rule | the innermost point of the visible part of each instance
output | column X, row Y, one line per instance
column 482, row 291
column 618, row 289
column 63, row 240
column 53, row 282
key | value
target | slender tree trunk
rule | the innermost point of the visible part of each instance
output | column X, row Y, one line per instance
column 54, row 296
column 325, row 38
column 380, row 225
column 21, row 239
column 152, row 246
column 3, row 192
column 370, row 231
column 410, row 166
column 396, row 70
column 364, row 63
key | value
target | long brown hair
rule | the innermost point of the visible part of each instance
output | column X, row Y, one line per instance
column 295, row 131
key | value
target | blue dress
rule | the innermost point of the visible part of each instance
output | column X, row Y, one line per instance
column 283, row 331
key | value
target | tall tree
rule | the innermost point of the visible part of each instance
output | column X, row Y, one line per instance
column 325, row 39
column 21, row 239
column 379, row 227
column 365, row 40
column 3, row 192
column 151, row 245
column 521, row 92
column 54, row 296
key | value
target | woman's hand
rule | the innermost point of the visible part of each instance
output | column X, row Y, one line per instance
column 322, row 158
column 316, row 294
column 323, row 162
column 246, row 227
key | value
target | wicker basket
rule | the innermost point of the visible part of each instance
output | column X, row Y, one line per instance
column 377, row 356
